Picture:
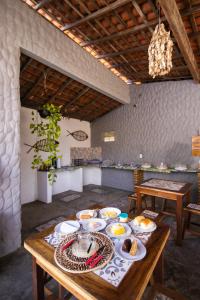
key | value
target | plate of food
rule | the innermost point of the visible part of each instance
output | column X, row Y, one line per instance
column 67, row 227
column 162, row 166
column 86, row 214
column 118, row 230
column 110, row 212
column 93, row 224
column 142, row 224
column 146, row 166
column 180, row 167
column 131, row 249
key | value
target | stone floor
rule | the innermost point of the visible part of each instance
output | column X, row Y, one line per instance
column 182, row 264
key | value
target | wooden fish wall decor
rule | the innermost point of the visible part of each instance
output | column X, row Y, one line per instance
column 78, row 135
column 41, row 145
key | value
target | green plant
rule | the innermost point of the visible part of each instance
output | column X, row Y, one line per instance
column 50, row 131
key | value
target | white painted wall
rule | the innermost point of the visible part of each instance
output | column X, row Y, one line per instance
column 22, row 29
column 29, row 176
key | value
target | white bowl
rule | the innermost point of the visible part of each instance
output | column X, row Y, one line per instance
column 105, row 210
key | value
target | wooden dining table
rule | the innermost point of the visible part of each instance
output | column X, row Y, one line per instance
column 166, row 189
column 89, row 286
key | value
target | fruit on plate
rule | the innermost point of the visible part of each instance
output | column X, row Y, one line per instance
column 118, row 229
column 110, row 214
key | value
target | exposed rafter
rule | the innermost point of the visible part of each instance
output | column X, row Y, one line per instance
column 35, row 83
column 83, row 92
column 137, row 28
column 174, row 19
column 96, row 14
column 61, row 89
column 26, row 64
column 40, row 4
column 129, row 50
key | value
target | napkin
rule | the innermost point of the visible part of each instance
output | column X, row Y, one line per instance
column 67, row 228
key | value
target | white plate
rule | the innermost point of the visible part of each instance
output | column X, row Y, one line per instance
column 180, row 168
column 140, row 254
column 87, row 211
column 127, row 231
column 115, row 210
column 94, row 224
column 146, row 166
column 67, row 227
column 140, row 229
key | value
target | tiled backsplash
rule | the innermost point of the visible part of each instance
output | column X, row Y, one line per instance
column 86, row 153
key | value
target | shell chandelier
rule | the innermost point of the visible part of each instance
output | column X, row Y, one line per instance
column 160, row 52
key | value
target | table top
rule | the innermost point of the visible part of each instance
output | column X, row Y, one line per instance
column 170, row 186
column 90, row 286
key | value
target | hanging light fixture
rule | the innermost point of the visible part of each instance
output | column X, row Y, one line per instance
column 160, row 51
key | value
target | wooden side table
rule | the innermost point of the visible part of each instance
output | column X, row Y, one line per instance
column 171, row 190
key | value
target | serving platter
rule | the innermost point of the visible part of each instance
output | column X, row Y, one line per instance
column 69, row 262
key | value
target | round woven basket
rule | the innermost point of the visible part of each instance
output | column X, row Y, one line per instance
column 73, row 264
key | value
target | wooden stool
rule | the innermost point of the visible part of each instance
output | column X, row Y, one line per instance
column 190, row 209
column 132, row 200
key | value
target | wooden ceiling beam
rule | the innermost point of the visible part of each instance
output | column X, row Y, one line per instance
column 137, row 28
column 26, row 64
column 125, row 51
column 35, row 83
column 61, row 89
column 96, row 14
column 171, row 12
column 40, row 4
column 88, row 105
column 83, row 92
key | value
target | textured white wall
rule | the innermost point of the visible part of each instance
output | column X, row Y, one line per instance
column 22, row 28
column 160, row 126
column 25, row 28
column 28, row 176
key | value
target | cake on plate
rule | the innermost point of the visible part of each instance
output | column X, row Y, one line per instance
column 118, row 229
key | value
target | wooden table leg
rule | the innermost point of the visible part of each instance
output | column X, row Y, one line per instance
column 179, row 219
column 158, row 273
column 139, row 203
column 37, row 281
column 153, row 203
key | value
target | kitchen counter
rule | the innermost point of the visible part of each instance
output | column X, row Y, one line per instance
column 67, row 178
column 170, row 170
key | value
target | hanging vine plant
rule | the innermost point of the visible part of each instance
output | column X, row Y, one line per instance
column 47, row 133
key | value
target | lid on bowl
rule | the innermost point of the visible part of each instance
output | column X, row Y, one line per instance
column 123, row 215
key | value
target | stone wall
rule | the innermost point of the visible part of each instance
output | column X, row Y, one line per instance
column 159, row 123
column 23, row 29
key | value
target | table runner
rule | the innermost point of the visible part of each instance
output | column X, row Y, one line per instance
column 116, row 269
